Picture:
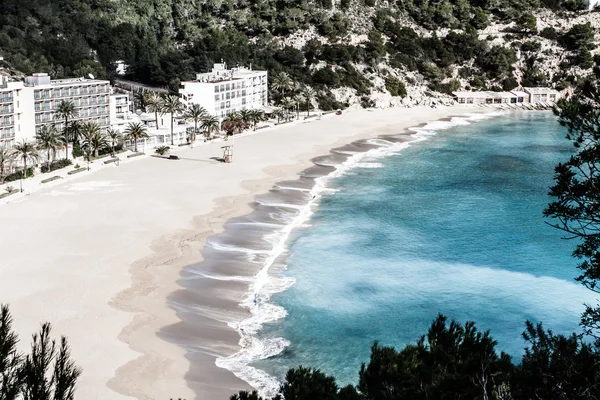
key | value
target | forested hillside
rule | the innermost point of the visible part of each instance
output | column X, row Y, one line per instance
column 353, row 49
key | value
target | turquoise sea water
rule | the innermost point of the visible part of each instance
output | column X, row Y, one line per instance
column 452, row 224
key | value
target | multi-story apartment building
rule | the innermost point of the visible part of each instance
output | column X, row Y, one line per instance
column 14, row 103
column 90, row 96
column 120, row 111
column 224, row 91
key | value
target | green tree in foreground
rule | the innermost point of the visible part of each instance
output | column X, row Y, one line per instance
column 576, row 192
column 47, row 373
column 454, row 361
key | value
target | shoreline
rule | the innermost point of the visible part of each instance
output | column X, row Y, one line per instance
column 98, row 255
column 250, row 303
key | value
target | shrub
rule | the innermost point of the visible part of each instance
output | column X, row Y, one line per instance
column 584, row 58
column 366, row 102
column 578, row 36
column 395, row 86
column 326, row 76
column 15, row 176
column 327, row 102
column 162, row 150
column 9, row 189
column 58, row 164
column 77, row 151
column 548, row 33
column 509, row 83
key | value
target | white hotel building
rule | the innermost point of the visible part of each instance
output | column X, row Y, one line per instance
column 90, row 96
column 15, row 122
column 27, row 106
column 224, row 91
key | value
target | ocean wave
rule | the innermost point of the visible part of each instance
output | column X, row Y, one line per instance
column 263, row 285
column 369, row 165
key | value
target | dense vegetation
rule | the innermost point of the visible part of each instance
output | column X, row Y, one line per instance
column 576, row 205
column 163, row 41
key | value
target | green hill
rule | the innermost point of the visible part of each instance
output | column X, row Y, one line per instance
column 349, row 50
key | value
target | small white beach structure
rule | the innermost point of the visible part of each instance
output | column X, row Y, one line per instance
column 526, row 95
column 542, row 95
column 486, row 97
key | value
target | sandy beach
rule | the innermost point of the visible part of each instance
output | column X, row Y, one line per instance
column 98, row 256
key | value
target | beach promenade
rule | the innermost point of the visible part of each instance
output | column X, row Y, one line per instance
column 98, row 255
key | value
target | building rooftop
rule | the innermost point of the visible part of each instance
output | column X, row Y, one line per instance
column 43, row 79
column 539, row 90
column 220, row 73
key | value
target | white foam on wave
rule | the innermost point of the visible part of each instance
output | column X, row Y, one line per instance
column 263, row 285
column 369, row 165
column 291, row 188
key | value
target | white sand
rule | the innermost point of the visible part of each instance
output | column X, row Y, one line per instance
column 96, row 256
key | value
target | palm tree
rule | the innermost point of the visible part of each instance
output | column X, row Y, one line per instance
column 246, row 116
column 173, row 106
column 210, row 124
column 288, row 104
column 308, row 95
column 6, row 158
column 25, row 150
column 135, row 131
column 89, row 130
column 153, row 103
column 195, row 113
column 279, row 114
column 256, row 116
column 66, row 110
column 114, row 137
column 282, row 82
column 50, row 140
column 297, row 100
column 96, row 141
